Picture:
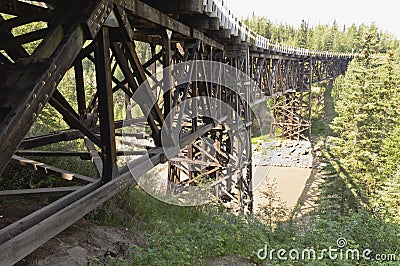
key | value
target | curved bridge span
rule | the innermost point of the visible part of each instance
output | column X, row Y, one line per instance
column 197, row 43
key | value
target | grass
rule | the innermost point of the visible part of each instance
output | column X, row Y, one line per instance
column 182, row 235
column 202, row 235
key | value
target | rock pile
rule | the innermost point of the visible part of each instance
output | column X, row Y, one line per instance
column 284, row 153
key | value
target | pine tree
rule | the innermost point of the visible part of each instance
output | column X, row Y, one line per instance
column 359, row 116
column 302, row 35
column 390, row 192
column 367, row 106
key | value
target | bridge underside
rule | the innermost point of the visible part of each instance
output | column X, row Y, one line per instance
column 106, row 114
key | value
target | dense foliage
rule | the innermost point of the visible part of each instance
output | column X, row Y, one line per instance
column 367, row 103
column 321, row 37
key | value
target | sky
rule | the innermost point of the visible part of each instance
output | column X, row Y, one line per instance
column 384, row 13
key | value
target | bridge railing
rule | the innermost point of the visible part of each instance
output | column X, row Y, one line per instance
column 219, row 9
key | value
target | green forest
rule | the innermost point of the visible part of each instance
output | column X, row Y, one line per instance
column 323, row 37
column 365, row 130
column 356, row 126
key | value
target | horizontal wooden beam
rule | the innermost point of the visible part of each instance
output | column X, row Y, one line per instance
column 82, row 154
column 39, row 141
column 153, row 15
column 38, row 191
column 48, row 169
column 19, row 21
column 22, row 39
column 71, row 134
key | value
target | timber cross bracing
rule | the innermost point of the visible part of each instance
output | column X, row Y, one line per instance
column 74, row 37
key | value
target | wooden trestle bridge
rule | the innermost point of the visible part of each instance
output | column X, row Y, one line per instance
column 74, row 35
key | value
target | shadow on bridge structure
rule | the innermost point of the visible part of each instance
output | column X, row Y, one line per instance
column 211, row 115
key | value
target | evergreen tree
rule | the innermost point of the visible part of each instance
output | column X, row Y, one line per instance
column 366, row 103
column 390, row 193
column 302, row 35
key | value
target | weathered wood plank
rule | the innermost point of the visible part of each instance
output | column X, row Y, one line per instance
column 19, row 21
column 15, row 52
column 51, row 138
column 81, row 154
column 49, row 44
column 124, row 21
column 18, row 8
column 151, row 14
column 80, row 88
column 96, row 19
column 94, row 154
column 22, row 39
column 73, row 121
column 106, row 105
column 191, row 6
column 25, row 192
column 48, row 169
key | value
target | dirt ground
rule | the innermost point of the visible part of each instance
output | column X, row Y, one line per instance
column 81, row 243
column 291, row 183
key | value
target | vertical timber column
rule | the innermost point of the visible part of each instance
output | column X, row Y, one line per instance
column 80, row 87
column 217, row 132
column 311, row 81
column 191, row 92
column 105, row 105
column 303, row 100
column 173, row 172
column 249, row 153
column 166, row 43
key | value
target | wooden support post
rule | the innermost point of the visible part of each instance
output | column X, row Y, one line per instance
column 80, row 88
column 166, row 41
column 105, row 106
